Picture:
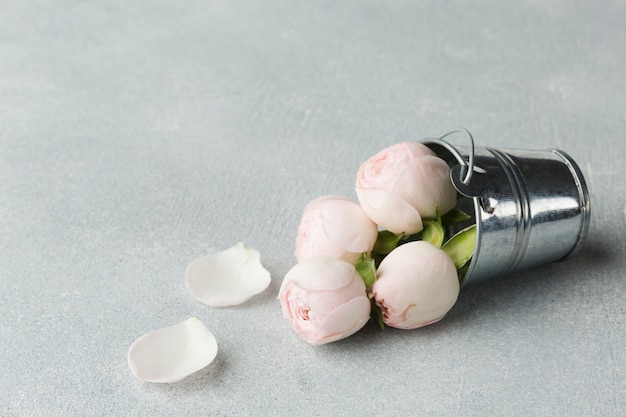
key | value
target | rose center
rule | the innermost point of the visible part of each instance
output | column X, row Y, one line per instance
column 303, row 312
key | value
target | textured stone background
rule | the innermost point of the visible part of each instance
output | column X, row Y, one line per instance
column 136, row 136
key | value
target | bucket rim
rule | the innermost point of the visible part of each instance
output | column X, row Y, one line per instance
column 475, row 201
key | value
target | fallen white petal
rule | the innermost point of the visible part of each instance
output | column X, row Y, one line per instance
column 172, row 353
column 227, row 278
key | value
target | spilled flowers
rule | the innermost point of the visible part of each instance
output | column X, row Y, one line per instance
column 396, row 257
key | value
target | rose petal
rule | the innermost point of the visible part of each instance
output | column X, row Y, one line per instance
column 417, row 285
column 355, row 311
column 335, row 226
column 227, row 278
column 312, row 240
column 321, row 273
column 389, row 211
column 419, row 149
column 345, row 222
column 426, row 185
column 324, row 299
column 172, row 353
column 382, row 168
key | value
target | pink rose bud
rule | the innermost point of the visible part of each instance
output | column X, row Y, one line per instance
column 325, row 300
column 334, row 226
column 417, row 285
column 402, row 184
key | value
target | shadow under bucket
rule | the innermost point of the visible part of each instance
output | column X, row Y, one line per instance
column 530, row 207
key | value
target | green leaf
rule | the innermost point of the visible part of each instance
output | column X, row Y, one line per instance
column 460, row 247
column 367, row 270
column 377, row 314
column 454, row 216
column 386, row 242
column 462, row 271
column 433, row 232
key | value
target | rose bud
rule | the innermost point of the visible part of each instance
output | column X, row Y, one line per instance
column 334, row 226
column 417, row 285
column 325, row 300
column 402, row 184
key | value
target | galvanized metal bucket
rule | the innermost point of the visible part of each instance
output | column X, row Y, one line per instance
column 530, row 207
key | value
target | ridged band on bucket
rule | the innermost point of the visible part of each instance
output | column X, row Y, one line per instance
column 530, row 207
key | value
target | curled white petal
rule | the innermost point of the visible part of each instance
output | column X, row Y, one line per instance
column 172, row 353
column 227, row 278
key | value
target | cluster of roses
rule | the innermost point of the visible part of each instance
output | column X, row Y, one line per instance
column 392, row 258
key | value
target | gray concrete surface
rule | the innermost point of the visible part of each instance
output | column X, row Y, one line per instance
column 136, row 136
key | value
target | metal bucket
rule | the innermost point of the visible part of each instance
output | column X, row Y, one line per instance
column 530, row 207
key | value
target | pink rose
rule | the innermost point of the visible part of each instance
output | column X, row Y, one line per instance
column 417, row 285
column 334, row 226
column 325, row 300
column 402, row 184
